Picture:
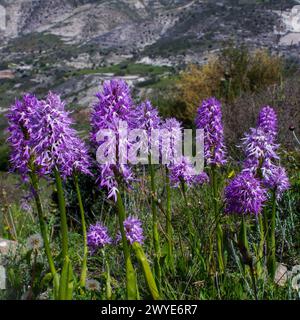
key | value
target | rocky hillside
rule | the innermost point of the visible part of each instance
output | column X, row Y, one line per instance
column 70, row 45
column 159, row 27
column 112, row 23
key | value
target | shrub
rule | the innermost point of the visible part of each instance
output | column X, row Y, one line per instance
column 227, row 76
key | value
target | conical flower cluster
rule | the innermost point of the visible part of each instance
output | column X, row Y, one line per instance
column 42, row 138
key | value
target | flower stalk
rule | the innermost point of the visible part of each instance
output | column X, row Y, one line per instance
column 189, row 216
column 108, row 278
column 271, row 242
column 245, row 252
column 260, row 262
column 155, row 234
column 219, row 231
column 43, row 226
column 84, row 234
column 63, row 216
column 131, row 281
column 169, row 229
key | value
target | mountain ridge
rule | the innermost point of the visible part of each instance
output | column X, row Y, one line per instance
column 126, row 25
column 69, row 46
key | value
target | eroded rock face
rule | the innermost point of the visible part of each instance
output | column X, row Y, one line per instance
column 77, row 21
column 292, row 19
column 289, row 26
column 136, row 23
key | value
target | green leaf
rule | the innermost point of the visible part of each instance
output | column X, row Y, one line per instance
column 131, row 281
column 46, row 279
column 70, row 282
column 147, row 270
column 66, row 281
column 108, row 282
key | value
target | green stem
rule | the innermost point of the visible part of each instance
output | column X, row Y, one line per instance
column 260, row 262
column 190, row 218
column 155, row 225
column 108, row 279
column 191, row 227
column 43, row 226
column 63, row 216
column 253, row 281
column 169, row 229
column 247, row 259
column 219, row 231
column 244, row 240
column 271, row 258
column 83, row 225
column 66, row 284
column 131, row 281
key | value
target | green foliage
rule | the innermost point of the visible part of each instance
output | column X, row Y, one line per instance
column 125, row 68
column 228, row 75
column 190, row 279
